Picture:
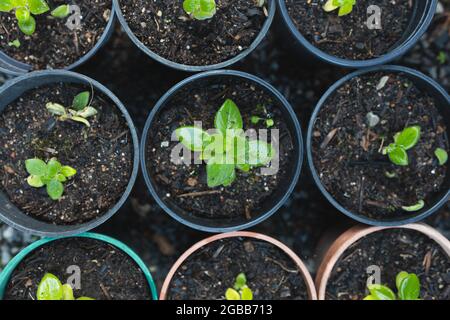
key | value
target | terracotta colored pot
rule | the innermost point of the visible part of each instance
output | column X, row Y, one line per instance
column 348, row 238
column 244, row 234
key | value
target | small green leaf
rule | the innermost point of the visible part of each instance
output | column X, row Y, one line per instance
column 35, row 181
column 193, row 138
column 55, row 189
column 409, row 288
column 22, row 14
column 50, row 288
column 259, row 153
column 200, row 9
column 380, row 292
column 53, row 167
column 85, row 298
column 370, row 297
column 81, row 120
column 241, row 281
column 61, row 12
column 232, row 295
column 228, row 117
column 67, row 292
column 36, row 167
column 87, row 112
column 345, row 10
column 329, row 6
column 400, row 277
column 220, row 174
column 442, row 156
column 6, row 5
column 61, row 178
column 270, row 123
column 81, row 101
column 418, row 206
column 246, row 294
column 408, row 138
column 255, row 119
column 28, row 27
column 399, row 156
column 38, row 6
column 16, row 43
column 68, row 171
column 243, row 167
column 55, row 109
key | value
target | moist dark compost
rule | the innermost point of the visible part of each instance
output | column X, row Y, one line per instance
column 349, row 37
column 184, row 186
column 393, row 251
column 211, row 270
column 54, row 45
column 107, row 273
column 347, row 151
column 101, row 154
column 165, row 28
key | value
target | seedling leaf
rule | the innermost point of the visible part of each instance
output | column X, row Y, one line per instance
column 50, row 288
column 409, row 288
column 27, row 26
column 399, row 156
column 418, row 206
column 38, row 6
column 81, row 101
column 36, row 167
column 441, row 155
column 232, row 294
column 246, row 294
column 220, row 174
column 55, row 189
column 228, row 117
column 380, row 292
column 241, row 281
column 67, row 292
column 408, row 138
column 6, row 5
column 61, row 12
column 193, row 138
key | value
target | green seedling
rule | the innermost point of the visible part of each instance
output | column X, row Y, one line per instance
column 268, row 122
column 416, row 207
column 441, row 155
column 80, row 110
column 25, row 10
column 16, row 43
column 228, row 149
column 240, row 291
column 403, row 141
column 51, row 288
column 52, row 175
column 345, row 6
column 408, row 286
column 200, row 9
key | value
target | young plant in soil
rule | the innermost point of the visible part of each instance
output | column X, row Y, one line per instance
column 25, row 9
column 100, row 148
column 51, row 288
column 345, row 6
column 347, row 34
column 228, row 149
column 408, row 287
column 52, row 175
column 200, row 9
column 270, row 272
column 80, row 110
column 105, row 271
column 240, row 290
column 196, row 32
column 391, row 250
column 379, row 146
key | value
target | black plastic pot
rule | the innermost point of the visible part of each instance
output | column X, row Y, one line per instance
column 281, row 195
column 13, row 67
column 183, row 67
column 13, row 216
column 422, row 16
column 426, row 84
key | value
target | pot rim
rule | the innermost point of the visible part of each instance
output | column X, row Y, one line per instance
column 352, row 235
column 188, row 68
column 287, row 110
column 109, row 29
column 135, row 141
column 391, row 55
column 309, row 153
column 244, row 234
column 11, row 266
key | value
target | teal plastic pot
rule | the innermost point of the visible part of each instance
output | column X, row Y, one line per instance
column 6, row 273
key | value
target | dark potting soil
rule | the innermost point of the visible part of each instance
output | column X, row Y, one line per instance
column 349, row 37
column 211, row 270
column 165, row 28
column 185, row 186
column 54, row 45
column 107, row 273
column 101, row 154
column 393, row 251
column 347, row 152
